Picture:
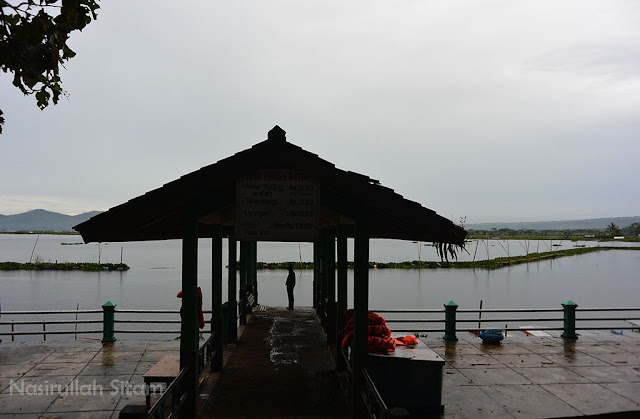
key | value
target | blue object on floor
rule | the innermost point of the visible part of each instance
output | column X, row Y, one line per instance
column 491, row 335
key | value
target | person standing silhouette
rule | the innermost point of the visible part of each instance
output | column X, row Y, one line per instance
column 291, row 283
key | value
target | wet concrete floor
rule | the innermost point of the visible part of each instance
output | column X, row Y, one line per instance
column 541, row 377
column 281, row 367
column 75, row 379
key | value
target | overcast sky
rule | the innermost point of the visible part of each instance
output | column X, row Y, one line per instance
column 491, row 110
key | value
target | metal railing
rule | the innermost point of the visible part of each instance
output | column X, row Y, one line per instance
column 205, row 354
column 374, row 402
column 569, row 317
column 13, row 325
column 174, row 395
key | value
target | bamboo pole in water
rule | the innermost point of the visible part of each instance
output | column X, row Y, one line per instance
column 34, row 248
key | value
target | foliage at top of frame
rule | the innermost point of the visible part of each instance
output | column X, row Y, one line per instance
column 33, row 43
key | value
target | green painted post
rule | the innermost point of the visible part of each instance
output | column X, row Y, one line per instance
column 450, row 321
column 569, row 320
column 331, row 285
column 244, row 271
column 341, row 365
column 108, row 321
column 189, row 336
column 232, row 310
column 217, row 321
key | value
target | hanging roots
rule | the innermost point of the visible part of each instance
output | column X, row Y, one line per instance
column 444, row 250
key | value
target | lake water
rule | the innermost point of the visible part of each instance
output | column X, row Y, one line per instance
column 602, row 279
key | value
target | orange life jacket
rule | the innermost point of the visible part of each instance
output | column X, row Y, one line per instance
column 379, row 338
column 200, row 312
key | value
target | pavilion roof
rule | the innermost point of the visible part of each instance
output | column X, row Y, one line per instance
column 345, row 197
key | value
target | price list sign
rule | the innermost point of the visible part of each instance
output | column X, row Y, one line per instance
column 277, row 206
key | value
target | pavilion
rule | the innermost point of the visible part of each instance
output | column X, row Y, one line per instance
column 273, row 191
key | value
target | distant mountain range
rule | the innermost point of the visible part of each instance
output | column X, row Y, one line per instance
column 42, row 220
column 590, row 224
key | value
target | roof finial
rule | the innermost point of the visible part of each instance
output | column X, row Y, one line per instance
column 277, row 134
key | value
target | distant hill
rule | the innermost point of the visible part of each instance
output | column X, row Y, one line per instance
column 590, row 224
column 42, row 220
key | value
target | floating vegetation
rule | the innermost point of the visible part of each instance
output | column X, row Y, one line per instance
column 482, row 264
column 66, row 266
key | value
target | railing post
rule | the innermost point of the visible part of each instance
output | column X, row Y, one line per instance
column 450, row 321
column 569, row 320
column 108, row 320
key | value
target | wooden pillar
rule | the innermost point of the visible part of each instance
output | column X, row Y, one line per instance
column 331, row 285
column 244, row 271
column 323, row 274
column 232, row 311
column 319, row 297
column 316, row 272
column 249, row 277
column 342, row 294
column 216, row 296
column 361, row 308
column 254, row 271
column 189, row 324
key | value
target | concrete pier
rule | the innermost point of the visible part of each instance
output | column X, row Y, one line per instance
column 281, row 367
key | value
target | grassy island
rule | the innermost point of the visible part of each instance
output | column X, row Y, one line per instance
column 66, row 266
column 496, row 263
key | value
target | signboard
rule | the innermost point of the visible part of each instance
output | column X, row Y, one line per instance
column 277, row 206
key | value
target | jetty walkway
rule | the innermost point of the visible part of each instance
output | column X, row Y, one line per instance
column 282, row 367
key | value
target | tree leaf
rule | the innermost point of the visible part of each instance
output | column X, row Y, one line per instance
column 43, row 98
column 67, row 52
